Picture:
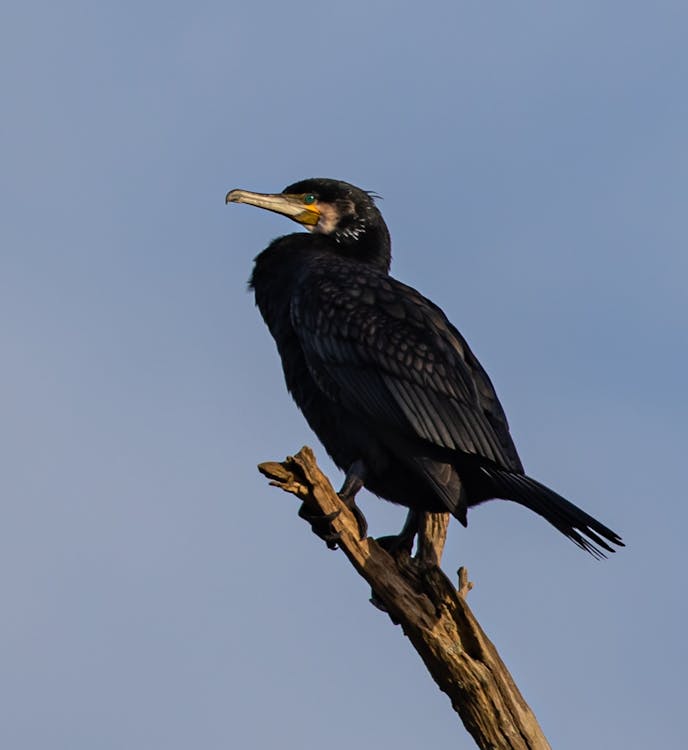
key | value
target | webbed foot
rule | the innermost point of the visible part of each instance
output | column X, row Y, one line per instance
column 321, row 525
column 402, row 543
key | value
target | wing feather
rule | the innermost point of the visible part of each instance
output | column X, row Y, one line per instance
column 384, row 351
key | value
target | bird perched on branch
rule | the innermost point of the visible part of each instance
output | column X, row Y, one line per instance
column 386, row 382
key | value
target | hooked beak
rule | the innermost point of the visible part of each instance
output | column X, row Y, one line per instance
column 281, row 203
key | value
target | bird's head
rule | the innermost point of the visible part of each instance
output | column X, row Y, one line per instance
column 332, row 208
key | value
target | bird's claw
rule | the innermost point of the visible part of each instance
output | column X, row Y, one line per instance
column 357, row 514
column 396, row 544
column 321, row 525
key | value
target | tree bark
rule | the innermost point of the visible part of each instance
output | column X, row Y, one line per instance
column 431, row 611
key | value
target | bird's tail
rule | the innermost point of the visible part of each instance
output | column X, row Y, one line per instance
column 584, row 530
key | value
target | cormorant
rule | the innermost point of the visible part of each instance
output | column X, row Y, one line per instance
column 386, row 382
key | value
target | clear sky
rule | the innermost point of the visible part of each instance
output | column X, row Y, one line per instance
column 533, row 159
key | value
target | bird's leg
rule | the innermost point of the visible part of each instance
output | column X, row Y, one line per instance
column 402, row 542
column 321, row 525
column 353, row 482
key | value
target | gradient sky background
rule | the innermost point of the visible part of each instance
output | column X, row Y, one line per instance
column 533, row 159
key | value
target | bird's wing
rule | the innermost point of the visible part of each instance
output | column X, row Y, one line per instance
column 382, row 350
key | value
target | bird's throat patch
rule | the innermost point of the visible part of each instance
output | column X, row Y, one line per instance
column 331, row 214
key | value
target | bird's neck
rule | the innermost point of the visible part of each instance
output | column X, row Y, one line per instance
column 368, row 244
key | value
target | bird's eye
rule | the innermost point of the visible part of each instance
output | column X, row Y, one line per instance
column 308, row 199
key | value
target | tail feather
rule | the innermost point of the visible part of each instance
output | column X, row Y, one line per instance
column 582, row 529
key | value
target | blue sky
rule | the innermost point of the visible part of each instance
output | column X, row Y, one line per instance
column 534, row 164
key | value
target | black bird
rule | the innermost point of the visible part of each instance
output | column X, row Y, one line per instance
column 386, row 382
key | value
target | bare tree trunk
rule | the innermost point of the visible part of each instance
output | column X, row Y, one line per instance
column 433, row 614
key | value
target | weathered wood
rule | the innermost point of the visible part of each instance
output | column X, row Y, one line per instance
column 433, row 534
column 433, row 614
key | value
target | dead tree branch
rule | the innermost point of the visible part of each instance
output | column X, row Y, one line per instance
column 433, row 614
